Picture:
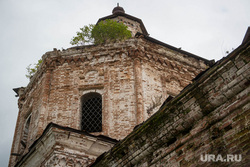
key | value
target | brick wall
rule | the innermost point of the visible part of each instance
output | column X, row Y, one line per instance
column 210, row 116
column 131, row 77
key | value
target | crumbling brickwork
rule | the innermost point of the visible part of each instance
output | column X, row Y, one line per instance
column 130, row 79
column 210, row 116
column 131, row 76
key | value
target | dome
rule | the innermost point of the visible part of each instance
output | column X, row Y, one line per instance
column 118, row 9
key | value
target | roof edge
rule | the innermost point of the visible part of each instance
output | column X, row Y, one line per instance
column 53, row 125
column 247, row 36
column 206, row 61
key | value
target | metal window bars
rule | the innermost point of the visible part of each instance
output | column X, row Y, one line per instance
column 92, row 113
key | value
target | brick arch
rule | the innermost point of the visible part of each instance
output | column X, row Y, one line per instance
column 84, row 72
column 170, row 78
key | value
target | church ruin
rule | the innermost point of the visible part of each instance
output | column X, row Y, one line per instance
column 84, row 99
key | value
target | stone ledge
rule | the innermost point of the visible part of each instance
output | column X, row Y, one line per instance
column 57, row 139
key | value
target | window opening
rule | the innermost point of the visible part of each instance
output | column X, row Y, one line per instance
column 92, row 112
column 25, row 134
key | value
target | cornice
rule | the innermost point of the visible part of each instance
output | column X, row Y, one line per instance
column 134, row 48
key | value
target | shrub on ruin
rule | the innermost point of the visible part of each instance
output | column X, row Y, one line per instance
column 107, row 31
column 32, row 70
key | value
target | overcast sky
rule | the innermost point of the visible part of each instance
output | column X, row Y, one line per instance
column 29, row 28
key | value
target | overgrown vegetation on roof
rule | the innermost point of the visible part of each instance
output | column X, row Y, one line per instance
column 32, row 70
column 106, row 31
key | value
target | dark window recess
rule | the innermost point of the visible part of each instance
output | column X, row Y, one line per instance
column 25, row 135
column 92, row 112
column 26, row 132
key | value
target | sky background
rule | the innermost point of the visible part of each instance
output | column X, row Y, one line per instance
column 30, row 28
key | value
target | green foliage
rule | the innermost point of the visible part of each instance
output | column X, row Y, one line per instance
column 84, row 36
column 32, row 71
column 104, row 32
column 110, row 31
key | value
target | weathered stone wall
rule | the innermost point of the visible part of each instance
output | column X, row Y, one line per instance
column 108, row 71
column 61, row 146
column 211, row 116
column 128, row 75
column 164, row 73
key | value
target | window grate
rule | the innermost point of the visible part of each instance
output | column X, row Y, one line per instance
column 92, row 113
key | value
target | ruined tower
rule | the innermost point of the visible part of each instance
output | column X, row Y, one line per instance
column 85, row 98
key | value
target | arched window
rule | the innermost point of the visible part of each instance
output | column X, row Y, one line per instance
column 25, row 134
column 91, row 112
